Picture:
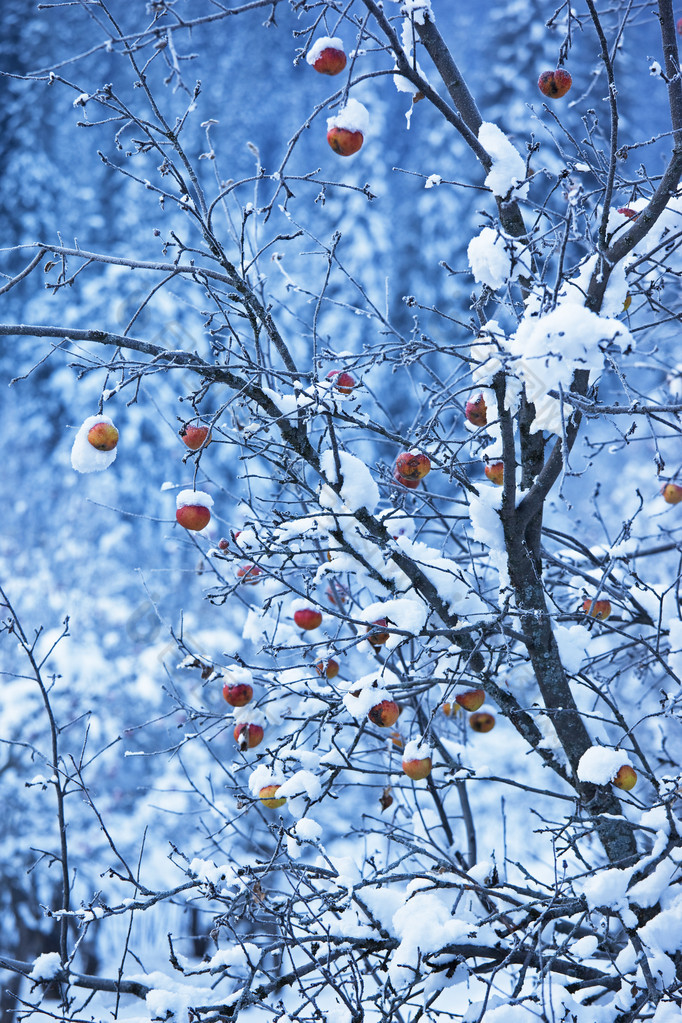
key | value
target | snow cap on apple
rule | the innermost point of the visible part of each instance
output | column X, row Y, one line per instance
column 94, row 447
column 346, row 129
column 600, row 765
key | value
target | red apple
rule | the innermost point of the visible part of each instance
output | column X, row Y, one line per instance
column 268, row 797
column 412, row 467
column 472, row 699
column 482, row 721
column 672, row 493
column 194, row 436
column 103, row 436
column 344, row 141
column 331, row 61
column 418, row 768
column 679, row 27
column 495, row 472
column 237, row 694
column 193, row 516
column 625, row 778
column 328, row 668
column 337, row 595
column 476, row 411
column 599, row 609
column 343, row 382
column 554, row 84
column 247, row 736
column 307, row 618
column 384, row 714
column 375, row 637
column 223, row 544
column 249, row 574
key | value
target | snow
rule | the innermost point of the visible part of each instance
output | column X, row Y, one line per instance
column 419, row 10
column 85, row 457
column 494, row 259
column 416, row 749
column 188, row 498
column 433, row 180
column 404, row 613
column 308, row 829
column 572, row 643
column 243, row 955
column 323, row 43
column 46, row 966
column 353, row 117
column 607, row 888
column 508, row 171
column 358, row 489
column 599, row 765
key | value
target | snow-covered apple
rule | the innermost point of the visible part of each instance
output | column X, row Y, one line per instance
column 599, row 609
column 268, row 797
column 327, row 55
column 482, row 721
column 237, row 694
column 495, row 472
column 412, row 466
column 472, row 699
column 476, row 411
column 194, row 436
column 307, row 618
column 410, row 484
column 555, row 84
column 343, row 382
column 672, row 493
column 625, row 778
column 193, row 509
column 385, row 713
column 103, row 436
column 347, row 128
column 248, row 735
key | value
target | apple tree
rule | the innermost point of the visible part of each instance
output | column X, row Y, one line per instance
column 426, row 739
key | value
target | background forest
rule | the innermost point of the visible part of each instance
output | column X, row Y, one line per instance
column 141, row 876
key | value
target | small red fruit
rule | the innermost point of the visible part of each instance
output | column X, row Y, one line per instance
column 625, row 778
column 418, row 768
column 307, row 618
column 237, row 694
column 672, row 493
column 344, row 141
column 247, row 736
column 476, row 411
column 250, row 574
column 378, row 638
column 449, row 710
column 555, row 84
column 193, row 516
column 268, row 797
column 328, row 668
column 679, row 27
column 326, row 56
column 482, row 721
column 627, row 212
column 472, row 699
column 103, row 436
column 384, row 714
column 599, row 609
column 194, row 436
column 495, row 473
column 412, row 467
column 223, row 544
column 343, row 382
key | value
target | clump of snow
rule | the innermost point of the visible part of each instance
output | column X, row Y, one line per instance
column 358, row 489
column 404, row 613
column 46, row 966
column 189, row 498
column 572, row 645
column 599, row 765
column 244, row 955
column 308, row 829
column 433, row 180
column 493, row 258
column 85, row 457
column 416, row 749
column 323, row 43
column 418, row 10
column 508, row 169
column 353, row 117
